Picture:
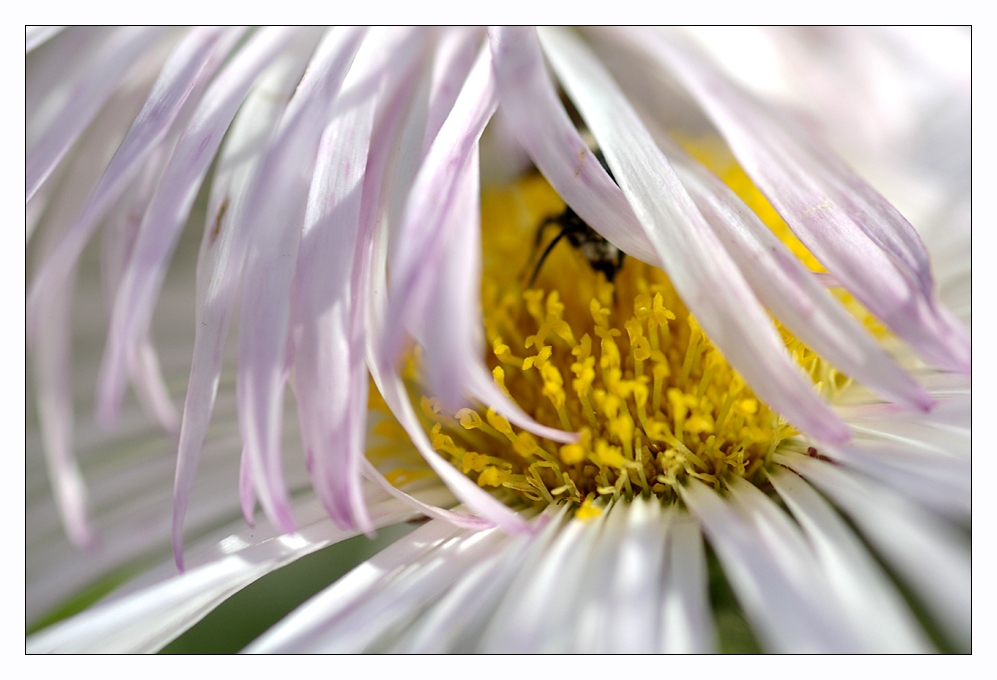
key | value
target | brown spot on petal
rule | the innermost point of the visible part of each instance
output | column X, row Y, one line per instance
column 218, row 222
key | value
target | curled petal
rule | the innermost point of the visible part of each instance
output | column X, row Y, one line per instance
column 275, row 213
column 695, row 260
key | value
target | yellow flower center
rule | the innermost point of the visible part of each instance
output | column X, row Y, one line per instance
column 623, row 363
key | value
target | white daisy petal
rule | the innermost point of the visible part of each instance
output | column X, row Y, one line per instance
column 844, row 222
column 455, row 623
column 538, row 615
column 929, row 555
column 875, row 608
column 686, row 624
column 312, row 627
column 785, row 286
column 126, row 625
column 769, row 571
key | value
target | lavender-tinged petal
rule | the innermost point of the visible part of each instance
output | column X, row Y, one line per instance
column 325, row 366
column 182, row 72
column 686, row 621
column 458, row 519
column 52, row 364
column 119, row 234
column 875, row 608
column 695, row 260
column 167, row 213
column 50, row 75
column 418, row 255
column 220, row 265
column 855, row 233
column 110, row 65
column 784, row 612
column 929, row 554
column 146, row 620
column 398, row 106
column 534, row 113
column 50, row 353
column 35, row 36
column 274, row 213
column 790, row 291
column 393, row 390
column 308, row 627
column 451, row 326
column 456, row 51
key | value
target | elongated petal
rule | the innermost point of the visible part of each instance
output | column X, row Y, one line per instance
column 382, row 368
column 417, row 257
column 875, row 607
column 329, row 369
column 51, row 359
column 686, row 626
column 536, row 117
column 862, row 240
column 928, row 554
column 221, row 261
column 275, row 213
column 183, row 71
column 771, row 584
column 792, row 293
column 695, row 260
column 455, row 622
column 89, row 94
column 624, row 575
column 167, row 213
column 148, row 619
column 312, row 626
column 539, row 617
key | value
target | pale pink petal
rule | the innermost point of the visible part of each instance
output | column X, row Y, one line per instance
column 116, row 56
column 275, row 212
column 862, row 240
column 418, row 254
column 329, row 369
column 454, row 623
column 185, row 69
column 791, row 292
column 695, row 260
column 540, row 614
column 52, row 364
column 221, row 260
column 168, row 210
column 535, row 115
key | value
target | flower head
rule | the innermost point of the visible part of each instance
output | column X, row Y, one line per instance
column 670, row 323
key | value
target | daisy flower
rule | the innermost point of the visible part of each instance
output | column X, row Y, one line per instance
column 641, row 362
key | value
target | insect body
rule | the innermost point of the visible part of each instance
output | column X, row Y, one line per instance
column 601, row 255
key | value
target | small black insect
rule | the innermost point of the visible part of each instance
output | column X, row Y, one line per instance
column 601, row 255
